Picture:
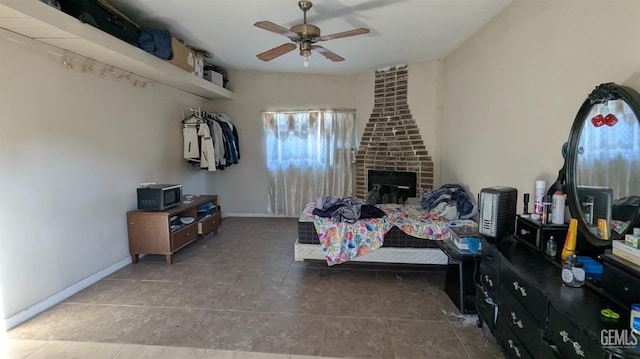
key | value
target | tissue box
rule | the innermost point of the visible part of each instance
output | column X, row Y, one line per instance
column 460, row 241
column 631, row 240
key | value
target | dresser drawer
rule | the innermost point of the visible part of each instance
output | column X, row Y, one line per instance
column 183, row 236
column 486, row 307
column 490, row 256
column 569, row 339
column 511, row 284
column 489, row 279
column 528, row 232
column 536, row 234
column 512, row 345
column 525, row 328
column 209, row 224
column 621, row 285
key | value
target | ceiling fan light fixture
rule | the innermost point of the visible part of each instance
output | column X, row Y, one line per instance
column 304, row 35
column 305, row 52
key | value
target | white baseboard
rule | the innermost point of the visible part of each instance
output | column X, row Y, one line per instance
column 265, row 215
column 62, row 295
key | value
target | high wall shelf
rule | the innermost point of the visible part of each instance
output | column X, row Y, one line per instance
column 41, row 22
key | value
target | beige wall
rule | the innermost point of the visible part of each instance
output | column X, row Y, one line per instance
column 73, row 148
column 512, row 91
column 243, row 187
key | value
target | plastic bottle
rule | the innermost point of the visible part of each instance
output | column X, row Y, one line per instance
column 635, row 318
column 570, row 242
column 557, row 208
column 551, row 247
column 546, row 210
column 541, row 186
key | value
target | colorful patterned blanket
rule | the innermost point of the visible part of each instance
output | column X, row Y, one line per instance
column 342, row 241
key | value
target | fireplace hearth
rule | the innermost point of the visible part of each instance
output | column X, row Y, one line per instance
column 391, row 186
column 392, row 142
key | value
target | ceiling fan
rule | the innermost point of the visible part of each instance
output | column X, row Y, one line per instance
column 305, row 37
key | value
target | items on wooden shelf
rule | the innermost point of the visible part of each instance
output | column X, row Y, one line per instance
column 166, row 232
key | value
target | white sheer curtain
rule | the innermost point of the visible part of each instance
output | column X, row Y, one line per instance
column 308, row 154
column 610, row 156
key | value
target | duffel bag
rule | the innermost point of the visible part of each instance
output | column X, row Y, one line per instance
column 104, row 16
column 156, row 42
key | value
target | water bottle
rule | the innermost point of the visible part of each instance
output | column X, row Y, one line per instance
column 557, row 208
column 551, row 247
column 541, row 187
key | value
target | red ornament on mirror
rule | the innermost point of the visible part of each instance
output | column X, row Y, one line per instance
column 611, row 119
column 598, row 120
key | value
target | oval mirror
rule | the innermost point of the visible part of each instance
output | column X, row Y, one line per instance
column 603, row 164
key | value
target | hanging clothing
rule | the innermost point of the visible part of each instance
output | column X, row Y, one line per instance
column 211, row 141
column 190, row 135
column 207, row 153
column 218, row 142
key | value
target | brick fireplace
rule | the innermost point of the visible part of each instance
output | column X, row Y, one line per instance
column 391, row 140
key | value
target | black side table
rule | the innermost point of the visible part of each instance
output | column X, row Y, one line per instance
column 462, row 274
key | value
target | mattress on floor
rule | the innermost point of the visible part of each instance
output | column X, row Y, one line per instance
column 395, row 238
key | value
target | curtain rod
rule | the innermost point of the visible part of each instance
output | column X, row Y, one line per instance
column 311, row 110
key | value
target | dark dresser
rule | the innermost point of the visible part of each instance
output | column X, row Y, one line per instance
column 532, row 314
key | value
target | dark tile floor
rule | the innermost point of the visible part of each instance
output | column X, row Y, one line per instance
column 241, row 290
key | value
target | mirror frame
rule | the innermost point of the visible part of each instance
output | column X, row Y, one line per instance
column 601, row 94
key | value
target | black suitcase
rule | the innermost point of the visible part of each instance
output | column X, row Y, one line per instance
column 105, row 17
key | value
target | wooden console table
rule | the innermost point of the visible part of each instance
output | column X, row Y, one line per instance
column 153, row 233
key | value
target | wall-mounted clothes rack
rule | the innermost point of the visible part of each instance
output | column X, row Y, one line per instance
column 200, row 112
column 211, row 141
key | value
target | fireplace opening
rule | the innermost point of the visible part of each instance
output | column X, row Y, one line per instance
column 390, row 186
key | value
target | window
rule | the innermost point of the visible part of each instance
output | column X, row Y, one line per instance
column 308, row 154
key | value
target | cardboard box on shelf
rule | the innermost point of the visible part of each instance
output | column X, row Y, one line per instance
column 199, row 66
column 214, row 77
column 183, row 56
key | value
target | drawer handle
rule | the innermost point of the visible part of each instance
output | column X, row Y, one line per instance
column 515, row 348
column 576, row 345
column 488, row 280
column 524, row 232
column 517, row 286
column 515, row 321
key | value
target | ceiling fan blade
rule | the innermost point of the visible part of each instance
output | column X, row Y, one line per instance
column 275, row 52
column 338, row 35
column 269, row 26
column 328, row 53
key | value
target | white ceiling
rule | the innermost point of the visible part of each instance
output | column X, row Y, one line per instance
column 402, row 31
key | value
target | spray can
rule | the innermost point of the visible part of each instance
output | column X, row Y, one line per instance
column 541, row 187
column 557, row 208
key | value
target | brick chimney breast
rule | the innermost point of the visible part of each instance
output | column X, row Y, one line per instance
column 391, row 140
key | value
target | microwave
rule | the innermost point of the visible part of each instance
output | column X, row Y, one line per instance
column 158, row 197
